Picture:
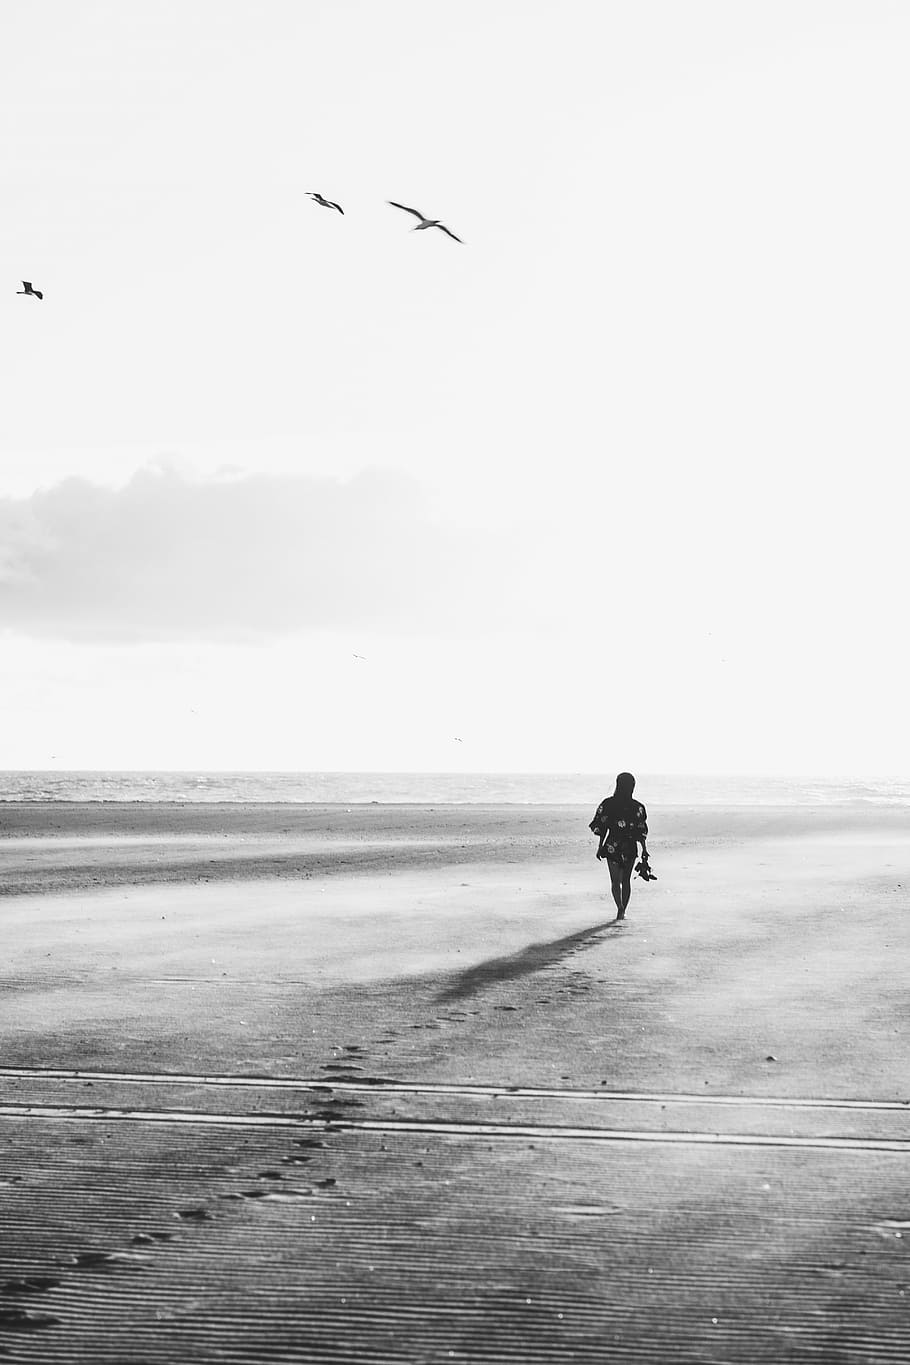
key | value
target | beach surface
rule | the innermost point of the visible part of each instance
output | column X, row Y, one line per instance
column 389, row 1083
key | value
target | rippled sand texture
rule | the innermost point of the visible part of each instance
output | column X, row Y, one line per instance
column 387, row 1083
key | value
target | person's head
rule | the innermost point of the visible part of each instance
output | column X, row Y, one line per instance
column 625, row 786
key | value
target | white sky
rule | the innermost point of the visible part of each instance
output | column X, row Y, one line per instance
column 634, row 453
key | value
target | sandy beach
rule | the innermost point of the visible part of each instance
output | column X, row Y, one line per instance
column 388, row 1083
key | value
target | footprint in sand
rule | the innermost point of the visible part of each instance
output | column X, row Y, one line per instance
column 194, row 1215
column 336, row 1107
column 274, row 1196
column 91, row 1260
column 21, row 1320
column 333, row 1113
column 29, row 1284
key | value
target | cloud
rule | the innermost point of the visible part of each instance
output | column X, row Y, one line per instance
column 171, row 557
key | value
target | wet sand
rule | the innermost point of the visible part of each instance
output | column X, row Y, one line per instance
column 480, row 1121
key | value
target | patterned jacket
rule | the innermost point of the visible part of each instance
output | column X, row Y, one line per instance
column 622, row 828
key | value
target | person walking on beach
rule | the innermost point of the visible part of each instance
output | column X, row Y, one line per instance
column 621, row 824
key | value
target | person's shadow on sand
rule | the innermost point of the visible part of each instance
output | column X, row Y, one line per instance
column 529, row 960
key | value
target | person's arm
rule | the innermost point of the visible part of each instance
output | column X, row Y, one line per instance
column 641, row 832
column 600, row 826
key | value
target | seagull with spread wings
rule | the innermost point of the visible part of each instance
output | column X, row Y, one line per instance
column 326, row 203
column 424, row 222
column 27, row 289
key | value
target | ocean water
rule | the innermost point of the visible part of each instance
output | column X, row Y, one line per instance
column 584, row 789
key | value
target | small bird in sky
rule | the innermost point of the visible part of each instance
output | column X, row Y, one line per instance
column 362, row 657
column 326, row 203
column 425, row 222
column 458, row 741
column 27, row 289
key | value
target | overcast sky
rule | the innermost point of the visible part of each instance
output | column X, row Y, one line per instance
column 616, row 483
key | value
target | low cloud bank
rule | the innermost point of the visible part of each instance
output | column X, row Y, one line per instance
column 168, row 557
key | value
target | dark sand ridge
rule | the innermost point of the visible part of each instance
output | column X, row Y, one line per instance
column 459, row 947
column 66, row 846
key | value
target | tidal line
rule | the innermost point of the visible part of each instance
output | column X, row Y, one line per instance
column 514, row 1132
column 382, row 1085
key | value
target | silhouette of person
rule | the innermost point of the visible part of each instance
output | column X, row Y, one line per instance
column 621, row 824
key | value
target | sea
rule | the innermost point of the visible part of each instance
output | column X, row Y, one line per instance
column 525, row 789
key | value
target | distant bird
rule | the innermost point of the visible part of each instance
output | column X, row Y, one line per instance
column 27, row 289
column 362, row 657
column 458, row 741
column 326, row 203
column 425, row 222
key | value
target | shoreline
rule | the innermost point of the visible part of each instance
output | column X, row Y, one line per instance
column 864, row 802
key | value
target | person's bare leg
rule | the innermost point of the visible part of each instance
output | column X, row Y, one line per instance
column 616, row 887
column 626, row 888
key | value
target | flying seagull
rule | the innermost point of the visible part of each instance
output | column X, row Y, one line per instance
column 27, row 289
column 326, row 203
column 425, row 222
column 363, row 657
